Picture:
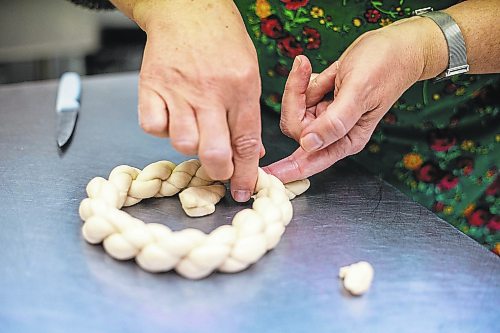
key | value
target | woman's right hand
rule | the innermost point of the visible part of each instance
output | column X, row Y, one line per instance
column 200, row 85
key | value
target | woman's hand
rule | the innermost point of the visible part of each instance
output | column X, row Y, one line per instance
column 366, row 81
column 199, row 85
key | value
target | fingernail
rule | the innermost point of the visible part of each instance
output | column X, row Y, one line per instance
column 311, row 142
column 241, row 196
column 296, row 63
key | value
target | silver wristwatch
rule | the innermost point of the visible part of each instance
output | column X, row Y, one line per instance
column 457, row 63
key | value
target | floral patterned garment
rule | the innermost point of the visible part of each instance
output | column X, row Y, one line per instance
column 440, row 142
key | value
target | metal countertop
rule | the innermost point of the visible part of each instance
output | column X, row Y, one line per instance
column 429, row 277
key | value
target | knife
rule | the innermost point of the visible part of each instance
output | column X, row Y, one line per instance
column 67, row 106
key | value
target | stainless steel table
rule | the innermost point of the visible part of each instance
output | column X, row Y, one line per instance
column 429, row 277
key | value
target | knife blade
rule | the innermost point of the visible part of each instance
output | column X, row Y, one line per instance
column 67, row 106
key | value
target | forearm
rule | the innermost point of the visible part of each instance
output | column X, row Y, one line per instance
column 478, row 21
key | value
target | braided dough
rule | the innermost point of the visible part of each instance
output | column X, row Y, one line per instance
column 192, row 253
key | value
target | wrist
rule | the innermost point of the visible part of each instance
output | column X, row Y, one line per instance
column 428, row 45
column 422, row 46
column 138, row 11
column 143, row 12
column 151, row 15
column 129, row 9
column 434, row 48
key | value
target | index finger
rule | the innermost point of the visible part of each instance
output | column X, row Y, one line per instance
column 293, row 106
column 321, row 84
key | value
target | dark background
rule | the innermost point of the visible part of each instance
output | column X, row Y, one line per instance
column 40, row 40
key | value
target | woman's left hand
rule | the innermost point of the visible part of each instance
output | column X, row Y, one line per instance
column 366, row 81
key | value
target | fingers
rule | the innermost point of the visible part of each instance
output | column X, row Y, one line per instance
column 247, row 147
column 322, row 84
column 293, row 105
column 338, row 119
column 322, row 107
column 153, row 116
column 214, row 148
column 287, row 169
column 183, row 128
column 299, row 165
column 302, row 164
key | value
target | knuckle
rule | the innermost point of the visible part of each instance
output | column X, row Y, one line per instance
column 352, row 146
column 246, row 147
column 290, row 131
column 335, row 154
column 152, row 74
column 285, row 129
column 209, row 81
column 336, row 87
column 335, row 125
column 242, row 79
column 165, row 76
column 301, row 171
column 314, row 84
column 357, row 146
column 246, row 74
column 343, row 148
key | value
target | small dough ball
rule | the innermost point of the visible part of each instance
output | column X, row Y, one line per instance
column 357, row 278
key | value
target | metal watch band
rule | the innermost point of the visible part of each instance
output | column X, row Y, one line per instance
column 457, row 63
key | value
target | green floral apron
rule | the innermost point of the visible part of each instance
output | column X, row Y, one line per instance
column 440, row 142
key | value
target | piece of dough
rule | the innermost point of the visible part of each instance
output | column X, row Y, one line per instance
column 357, row 278
column 190, row 252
